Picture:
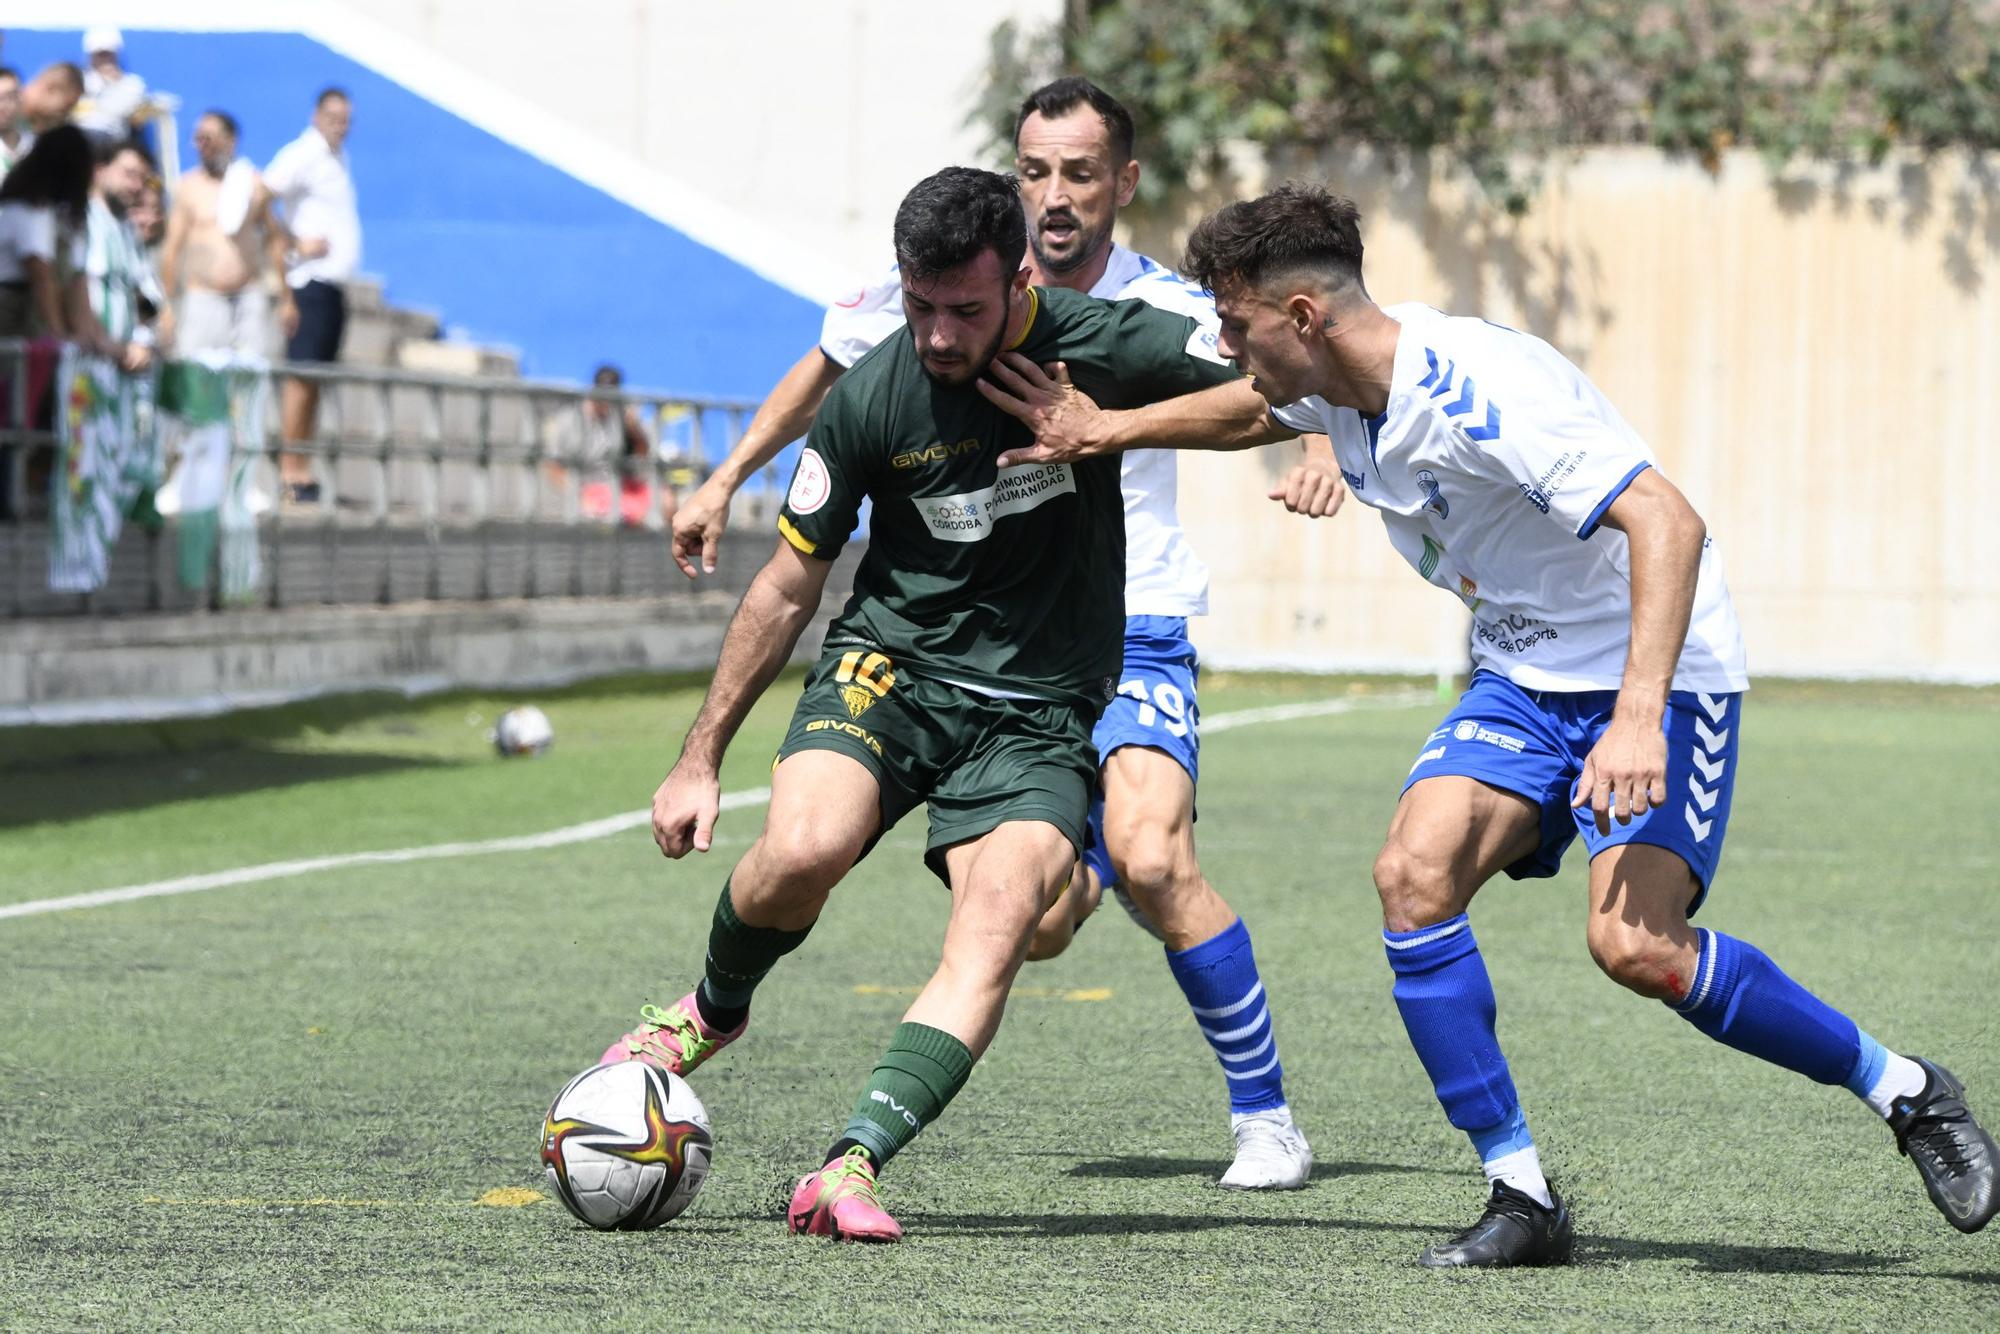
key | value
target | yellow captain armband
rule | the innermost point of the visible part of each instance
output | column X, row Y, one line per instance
column 795, row 537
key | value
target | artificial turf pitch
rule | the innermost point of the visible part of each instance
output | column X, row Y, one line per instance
column 282, row 1104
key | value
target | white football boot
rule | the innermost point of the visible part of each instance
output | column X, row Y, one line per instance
column 1271, row 1152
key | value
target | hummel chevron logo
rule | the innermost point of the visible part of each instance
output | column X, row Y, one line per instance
column 1702, row 796
column 1701, row 828
column 1462, row 409
column 1710, row 769
column 1712, row 706
column 1711, row 741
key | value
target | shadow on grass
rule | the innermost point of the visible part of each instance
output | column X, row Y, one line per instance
column 81, row 789
column 1137, row 1168
column 1706, row 1257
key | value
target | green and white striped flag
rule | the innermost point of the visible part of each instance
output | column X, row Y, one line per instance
column 103, row 463
column 215, row 408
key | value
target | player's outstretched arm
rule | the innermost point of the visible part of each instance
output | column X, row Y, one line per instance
column 1313, row 486
column 1626, row 771
column 782, row 418
column 1068, row 424
column 759, row 641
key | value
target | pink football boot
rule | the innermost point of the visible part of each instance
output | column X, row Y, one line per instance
column 674, row 1039
column 839, row 1201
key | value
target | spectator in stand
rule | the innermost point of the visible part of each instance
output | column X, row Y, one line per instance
column 14, row 137
column 124, row 293
column 310, row 180
column 44, row 204
column 608, row 445
column 117, row 97
column 48, row 99
column 223, row 261
column 148, row 217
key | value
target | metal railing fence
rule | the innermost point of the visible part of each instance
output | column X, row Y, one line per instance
column 429, row 486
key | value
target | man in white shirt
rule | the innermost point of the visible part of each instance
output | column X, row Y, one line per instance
column 115, row 96
column 1604, row 704
column 310, row 181
column 1073, row 151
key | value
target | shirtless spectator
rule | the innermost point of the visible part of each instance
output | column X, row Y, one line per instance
column 224, row 253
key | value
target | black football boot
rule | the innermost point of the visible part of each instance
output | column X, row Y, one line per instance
column 1956, row 1159
column 1514, row 1230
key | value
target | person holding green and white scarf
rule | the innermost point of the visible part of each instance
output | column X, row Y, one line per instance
column 124, row 291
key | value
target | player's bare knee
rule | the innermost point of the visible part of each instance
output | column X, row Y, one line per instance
column 1154, row 860
column 1052, row 936
column 1416, row 891
column 799, row 862
column 1636, row 959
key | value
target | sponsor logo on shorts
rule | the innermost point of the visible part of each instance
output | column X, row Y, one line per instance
column 938, row 453
column 845, row 728
column 1355, row 480
column 1434, row 753
column 811, row 484
column 969, row 516
column 1471, row 731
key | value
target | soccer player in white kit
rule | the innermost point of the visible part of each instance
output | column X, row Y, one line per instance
column 1605, row 700
column 1073, row 145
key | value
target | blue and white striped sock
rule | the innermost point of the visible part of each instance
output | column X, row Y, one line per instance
column 1219, row 979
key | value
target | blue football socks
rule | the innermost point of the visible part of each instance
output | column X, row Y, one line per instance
column 1446, row 1000
column 1743, row 1000
column 1219, row 979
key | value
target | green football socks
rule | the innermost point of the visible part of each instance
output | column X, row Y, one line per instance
column 739, row 955
column 922, row 1071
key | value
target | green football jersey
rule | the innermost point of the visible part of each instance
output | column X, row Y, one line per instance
column 1014, row 581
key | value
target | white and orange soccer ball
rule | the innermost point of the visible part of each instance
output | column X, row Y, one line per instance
column 523, row 731
column 626, row 1146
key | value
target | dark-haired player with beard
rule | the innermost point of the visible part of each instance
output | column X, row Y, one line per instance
column 981, row 643
column 1073, row 149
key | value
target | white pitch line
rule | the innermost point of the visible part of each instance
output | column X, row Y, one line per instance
column 576, row 833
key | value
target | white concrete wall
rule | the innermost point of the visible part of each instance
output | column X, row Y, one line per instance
column 814, row 116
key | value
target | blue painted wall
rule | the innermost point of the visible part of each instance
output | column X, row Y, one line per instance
column 502, row 245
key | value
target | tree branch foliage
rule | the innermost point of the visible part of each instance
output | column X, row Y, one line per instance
column 1498, row 85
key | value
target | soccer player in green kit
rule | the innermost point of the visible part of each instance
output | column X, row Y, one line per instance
column 983, row 638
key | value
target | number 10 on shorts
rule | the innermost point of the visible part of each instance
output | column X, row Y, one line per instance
column 1165, row 701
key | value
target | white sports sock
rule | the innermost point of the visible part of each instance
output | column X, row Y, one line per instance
column 1522, row 1169
column 1901, row 1078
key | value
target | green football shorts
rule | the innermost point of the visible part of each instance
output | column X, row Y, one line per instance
column 978, row 761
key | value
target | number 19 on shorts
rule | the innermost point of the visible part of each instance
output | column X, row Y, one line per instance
column 1161, row 706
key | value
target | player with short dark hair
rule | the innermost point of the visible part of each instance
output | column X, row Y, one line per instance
column 982, row 640
column 1073, row 153
column 1605, row 702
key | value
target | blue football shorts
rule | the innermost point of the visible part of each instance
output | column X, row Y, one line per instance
column 1154, row 706
column 1533, row 743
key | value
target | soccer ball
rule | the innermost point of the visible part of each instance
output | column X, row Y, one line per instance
column 626, row 1146
column 523, row 731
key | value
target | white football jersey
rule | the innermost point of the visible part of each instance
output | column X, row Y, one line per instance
column 1492, row 467
column 1163, row 576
